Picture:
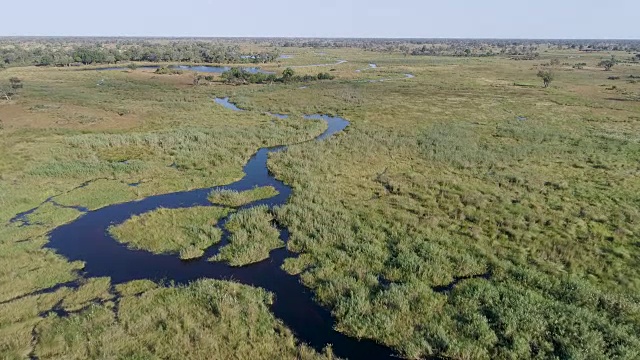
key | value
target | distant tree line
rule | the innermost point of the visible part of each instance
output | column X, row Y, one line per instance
column 239, row 76
column 459, row 47
column 65, row 54
column 67, row 51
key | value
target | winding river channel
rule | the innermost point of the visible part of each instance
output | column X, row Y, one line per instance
column 87, row 239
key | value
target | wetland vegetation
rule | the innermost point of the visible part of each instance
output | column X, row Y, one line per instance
column 468, row 211
column 185, row 231
column 234, row 198
column 253, row 236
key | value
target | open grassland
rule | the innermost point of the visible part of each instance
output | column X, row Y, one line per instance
column 469, row 170
column 187, row 231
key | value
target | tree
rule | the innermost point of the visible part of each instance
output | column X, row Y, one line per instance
column 45, row 60
column 16, row 83
column 6, row 92
column 287, row 74
column 196, row 79
column 62, row 60
column 10, row 58
column 608, row 64
column 546, row 76
column 325, row 76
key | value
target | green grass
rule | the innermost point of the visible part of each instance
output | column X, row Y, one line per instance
column 99, row 193
column 435, row 178
column 234, row 198
column 95, row 289
column 29, row 266
column 187, row 231
column 135, row 287
column 425, row 188
column 207, row 319
column 252, row 237
column 19, row 318
column 52, row 215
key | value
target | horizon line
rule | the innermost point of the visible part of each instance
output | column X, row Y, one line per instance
column 306, row 37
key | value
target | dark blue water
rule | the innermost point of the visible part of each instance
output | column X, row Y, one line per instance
column 197, row 68
column 86, row 239
column 335, row 124
column 219, row 69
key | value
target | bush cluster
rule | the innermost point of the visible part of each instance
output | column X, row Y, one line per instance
column 240, row 76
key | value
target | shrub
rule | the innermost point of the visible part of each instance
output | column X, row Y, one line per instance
column 167, row 71
column 546, row 76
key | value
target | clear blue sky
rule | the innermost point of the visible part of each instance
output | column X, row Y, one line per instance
column 329, row 18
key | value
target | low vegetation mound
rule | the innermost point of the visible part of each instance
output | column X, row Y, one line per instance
column 253, row 236
column 164, row 70
column 185, row 231
column 234, row 198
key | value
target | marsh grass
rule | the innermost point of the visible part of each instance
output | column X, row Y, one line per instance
column 51, row 215
column 253, row 236
column 19, row 317
column 434, row 179
column 234, row 198
column 86, row 169
column 186, row 231
column 29, row 266
column 135, row 287
column 424, row 189
column 509, row 204
column 98, row 194
column 91, row 290
column 207, row 319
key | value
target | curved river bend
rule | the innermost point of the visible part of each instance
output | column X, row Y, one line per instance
column 86, row 239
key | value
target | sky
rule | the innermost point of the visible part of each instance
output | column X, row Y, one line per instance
column 541, row 19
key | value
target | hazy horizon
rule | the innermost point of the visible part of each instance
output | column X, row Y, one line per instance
column 493, row 19
column 306, row 37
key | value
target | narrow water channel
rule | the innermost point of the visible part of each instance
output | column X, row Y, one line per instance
column 196, row 68
column 86, row 239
